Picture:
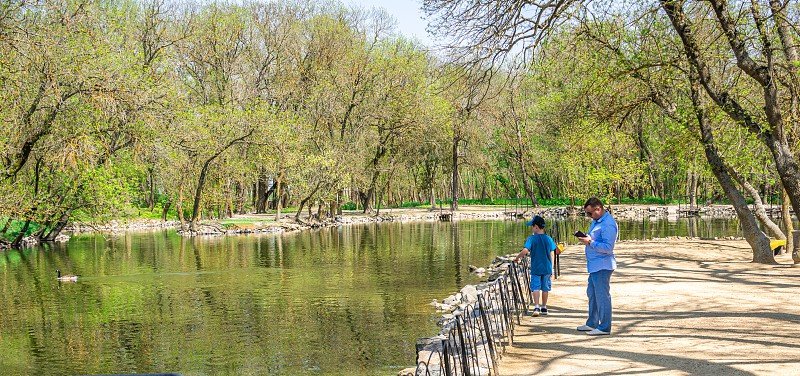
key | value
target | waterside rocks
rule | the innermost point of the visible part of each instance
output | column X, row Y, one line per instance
column 454, row 306
column 639, row 212
column 115, row 226
column 30, row 241
column 407, row 372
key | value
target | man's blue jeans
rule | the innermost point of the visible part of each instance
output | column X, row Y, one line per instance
column 599, row 300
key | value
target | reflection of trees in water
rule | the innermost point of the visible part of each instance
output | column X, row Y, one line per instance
column 279, row 242
column 693, row 230
column 649, row 228
column 456, row 242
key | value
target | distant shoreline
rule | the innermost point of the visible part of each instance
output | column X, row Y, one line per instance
column 265, row 223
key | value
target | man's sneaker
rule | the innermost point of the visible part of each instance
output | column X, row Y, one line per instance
column 597, row 332
column 536, row 312
column 544, row 311
column 584, row 328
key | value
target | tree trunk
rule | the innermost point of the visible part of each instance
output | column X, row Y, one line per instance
column 320, row 211
column 788, row 225
column 39, row 234
column 18, row 240
column 337, row 209
column 278, row 196
column 254, row 197
column 37, row 169
column 5, row 227
column 367, row 199
column 151, row 200
column 263, row 194
column 60, row 225
column 241, row 197
column 454, row 183
column 229, row 206
column 646, row 157
column 796, row 247
column 462, row 191
column 544, row 189
column 198, row 193
column 179, row 208
column 165, row 210
column 760, row 212
column 304, row 201
column 691, row 188
column 762, row 253
column 203, row 172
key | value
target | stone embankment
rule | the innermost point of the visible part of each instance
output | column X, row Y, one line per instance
column 121, row 226
column 637, row 212
column 473, row 320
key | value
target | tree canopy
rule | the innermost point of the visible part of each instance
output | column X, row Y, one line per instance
column 207, row 110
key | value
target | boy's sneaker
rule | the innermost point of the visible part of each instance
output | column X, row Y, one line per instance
column 536, row 312
column 544, row 311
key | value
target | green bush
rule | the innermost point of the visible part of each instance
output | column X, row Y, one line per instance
column 16, row 226
column 411, row 204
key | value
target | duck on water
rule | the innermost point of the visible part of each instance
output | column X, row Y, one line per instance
column 66, row 278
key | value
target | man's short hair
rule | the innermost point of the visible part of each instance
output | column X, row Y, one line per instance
column 593, row 201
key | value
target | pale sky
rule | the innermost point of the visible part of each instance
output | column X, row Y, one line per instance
column 407, row 13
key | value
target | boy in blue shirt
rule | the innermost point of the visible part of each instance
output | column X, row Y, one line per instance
column 540, row 246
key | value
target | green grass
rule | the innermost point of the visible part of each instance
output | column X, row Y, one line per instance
column 559, row 201
column 239, row 221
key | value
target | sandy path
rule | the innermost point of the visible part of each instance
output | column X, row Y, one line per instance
column 680, row 307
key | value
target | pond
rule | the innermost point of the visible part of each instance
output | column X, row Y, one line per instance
column 339, row 301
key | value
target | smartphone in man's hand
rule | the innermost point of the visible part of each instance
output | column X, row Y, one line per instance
column 580, row 234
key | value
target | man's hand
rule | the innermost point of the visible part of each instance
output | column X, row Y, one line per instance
column 586, row 240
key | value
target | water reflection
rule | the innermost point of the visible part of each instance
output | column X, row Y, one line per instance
column 349, row 300
column 456, row 254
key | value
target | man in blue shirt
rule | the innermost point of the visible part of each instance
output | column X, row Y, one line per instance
column 541, row 247
column 600, row 263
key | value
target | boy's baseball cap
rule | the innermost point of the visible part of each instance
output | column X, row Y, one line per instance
column 537, row 220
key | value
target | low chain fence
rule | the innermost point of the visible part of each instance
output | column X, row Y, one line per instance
column 475, row 334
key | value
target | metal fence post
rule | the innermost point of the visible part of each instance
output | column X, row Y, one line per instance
column 489, row 336
column 462, row 347
column 445, row 346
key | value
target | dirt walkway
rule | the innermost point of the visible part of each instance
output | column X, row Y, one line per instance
column 680, row 307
